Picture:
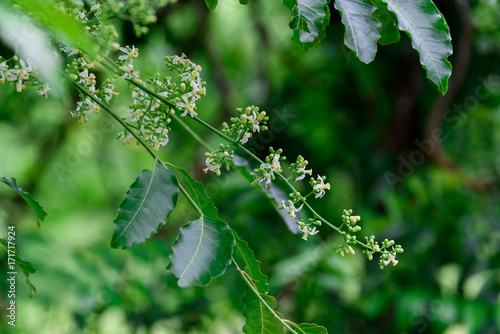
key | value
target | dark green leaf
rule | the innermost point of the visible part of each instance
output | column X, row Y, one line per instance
column 273, row 192
column 430, row 36
column 259, row 319
column 309, row 329
column 25, row 266
column 198, row 194
column 211, row 4
column 390, row 32
column 244, row 255
column 201, row 252
column 244, row 2
column 309, row 21
column 148, row 203
column 361, row 29
column 32, row 203
column 50, row 16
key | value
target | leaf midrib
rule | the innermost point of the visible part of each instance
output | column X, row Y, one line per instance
column 141, row 205
column 350, row 26
column 197, row 248
column 421, row 38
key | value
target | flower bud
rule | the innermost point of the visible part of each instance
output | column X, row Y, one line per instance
column 350, row 250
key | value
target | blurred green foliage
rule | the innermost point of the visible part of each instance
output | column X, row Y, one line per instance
column 355, row 123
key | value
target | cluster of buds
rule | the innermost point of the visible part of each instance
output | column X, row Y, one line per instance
column 22, row 74
column 387, row 248
column 350, row 222
column 299, row 170
column 216, row 159
column 265, row 173
column 308, row 229
column 191, row 87
column 250, row 120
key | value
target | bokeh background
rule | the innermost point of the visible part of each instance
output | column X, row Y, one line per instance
column 360, row 125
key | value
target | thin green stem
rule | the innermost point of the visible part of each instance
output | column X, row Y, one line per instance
column 256, row 293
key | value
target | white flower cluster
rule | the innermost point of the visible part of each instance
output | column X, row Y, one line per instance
column 149, row 116
column 22, row 74
column 87, row 80
column 191, row 87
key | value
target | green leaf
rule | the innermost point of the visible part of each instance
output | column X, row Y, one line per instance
column 310, row 329
column 201, row 252
column 361, row 29
column 243, row 254
column 211, row 4
column 390, row 32
column 25, row 266
column 259, row 319
column 148, row 203
column 429, row 34
column 309, row 21
column 244, row 2
column 198, row 194
column 32, row 203
column 273, row 193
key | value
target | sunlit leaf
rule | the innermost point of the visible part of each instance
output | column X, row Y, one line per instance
column 148, row 203
column 259, row 319
column 198, row 193
column 201, row 252
column 361, row 29
column 390, row 32
column 245, row 256
column 309, row 21
column 430, row 36
column 25, row 266
column 33, row 204
column 211, row 4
